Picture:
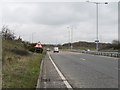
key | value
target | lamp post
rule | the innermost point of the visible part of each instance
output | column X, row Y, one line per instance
column 97, row 39
column 70, row 37
column 69, row 40
column 32, row 36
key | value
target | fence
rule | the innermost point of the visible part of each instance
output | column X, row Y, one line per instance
column 110, row 54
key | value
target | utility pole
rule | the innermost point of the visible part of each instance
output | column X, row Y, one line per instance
column 69, row 38
column 97, row 39
column 33, row 36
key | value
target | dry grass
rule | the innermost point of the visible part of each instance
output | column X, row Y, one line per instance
column 23, row 73
column 20, row 68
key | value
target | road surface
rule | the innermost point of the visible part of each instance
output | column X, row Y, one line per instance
column 87, row 71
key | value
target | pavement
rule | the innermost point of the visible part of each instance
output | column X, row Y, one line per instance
column 49, row 76
column 80, row 70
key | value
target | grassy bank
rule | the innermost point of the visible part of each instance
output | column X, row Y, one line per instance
column 23, row 73
column 20, row 67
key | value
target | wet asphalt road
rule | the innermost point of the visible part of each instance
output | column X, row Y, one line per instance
column 87, row 71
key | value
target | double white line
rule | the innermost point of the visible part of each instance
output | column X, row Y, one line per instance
column 61, row 75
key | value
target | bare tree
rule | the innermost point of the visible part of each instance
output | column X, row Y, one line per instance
column 19, row 38
column 7, row 34
column 116, row 44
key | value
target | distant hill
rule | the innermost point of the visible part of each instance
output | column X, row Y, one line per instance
column 87, row 45
column 83, row 45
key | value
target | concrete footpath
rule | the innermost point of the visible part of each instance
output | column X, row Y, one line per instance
column 49, row 77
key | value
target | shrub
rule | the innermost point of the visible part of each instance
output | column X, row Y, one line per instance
column 20, row 52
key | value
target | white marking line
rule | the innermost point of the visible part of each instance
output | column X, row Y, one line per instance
column 75, row 53
column 82, row 59
column 61, row 75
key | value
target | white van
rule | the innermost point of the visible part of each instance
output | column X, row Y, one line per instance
column 56, row 49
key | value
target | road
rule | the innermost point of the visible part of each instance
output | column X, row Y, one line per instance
column 87, row 71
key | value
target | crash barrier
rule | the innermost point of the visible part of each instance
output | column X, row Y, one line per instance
column 110, row 54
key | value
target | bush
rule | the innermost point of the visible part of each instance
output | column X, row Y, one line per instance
column 20, row 52
column 7, row 34
column 32, row 49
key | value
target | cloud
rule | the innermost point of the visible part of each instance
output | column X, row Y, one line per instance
column 48, row 14
column 49, row 21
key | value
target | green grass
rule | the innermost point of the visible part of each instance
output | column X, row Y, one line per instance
column 79, row 48
column 23, row 73
column 19, row 70
column 84, row 48
column 8, row 45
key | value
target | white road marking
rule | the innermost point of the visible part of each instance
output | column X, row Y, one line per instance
column 75, row 53
column 82, row 59
column 61, row 75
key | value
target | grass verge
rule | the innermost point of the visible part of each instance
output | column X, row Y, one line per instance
column 23, row 73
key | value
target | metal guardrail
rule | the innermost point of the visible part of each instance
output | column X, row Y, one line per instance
column 110, row 54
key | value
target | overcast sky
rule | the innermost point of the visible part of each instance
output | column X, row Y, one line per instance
column 47, row 22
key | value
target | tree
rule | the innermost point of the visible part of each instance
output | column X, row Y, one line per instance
column 7, row 34
column 116, row 44
column 19, row 38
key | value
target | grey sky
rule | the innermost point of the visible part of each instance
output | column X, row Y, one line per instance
column 48, row 21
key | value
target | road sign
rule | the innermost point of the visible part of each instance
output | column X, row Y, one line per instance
column 38, row 45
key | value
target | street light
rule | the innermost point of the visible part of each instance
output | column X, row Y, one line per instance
column 97, row 40
column 32, row 36
column 70, row 37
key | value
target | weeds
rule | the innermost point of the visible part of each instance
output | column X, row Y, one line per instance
column 20, row 67
column 22, row 74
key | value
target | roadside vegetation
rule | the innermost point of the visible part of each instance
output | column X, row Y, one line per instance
column 21, row 67
column 82, row 45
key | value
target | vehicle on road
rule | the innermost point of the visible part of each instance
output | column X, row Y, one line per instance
column 87, row 50
column 56, row 50
column 48, row 49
